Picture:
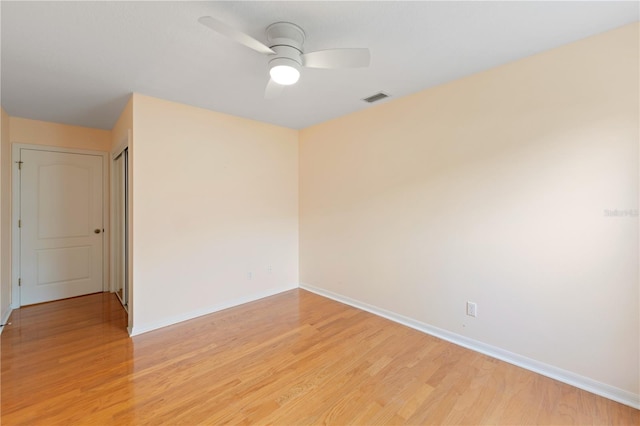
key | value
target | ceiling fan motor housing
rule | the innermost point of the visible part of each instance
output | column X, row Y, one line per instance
column 286, row 39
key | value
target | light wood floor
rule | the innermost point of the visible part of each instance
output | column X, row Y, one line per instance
column 292, row 359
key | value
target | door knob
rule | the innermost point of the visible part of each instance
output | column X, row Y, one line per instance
column 97, row 231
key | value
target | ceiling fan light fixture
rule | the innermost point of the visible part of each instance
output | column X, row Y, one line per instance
column 284, row 71
column 286, row 49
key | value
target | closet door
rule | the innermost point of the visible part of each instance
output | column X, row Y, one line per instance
column 120, row 227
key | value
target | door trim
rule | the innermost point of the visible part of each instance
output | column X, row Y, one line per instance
column 15, row 212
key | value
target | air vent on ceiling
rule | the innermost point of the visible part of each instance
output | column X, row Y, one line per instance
column 377, row 97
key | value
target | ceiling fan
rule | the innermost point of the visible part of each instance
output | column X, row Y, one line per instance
column 286, row 41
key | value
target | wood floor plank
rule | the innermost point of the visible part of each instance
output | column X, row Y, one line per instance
column 291, row 359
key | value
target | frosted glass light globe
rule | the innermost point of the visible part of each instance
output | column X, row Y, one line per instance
column 285, row 75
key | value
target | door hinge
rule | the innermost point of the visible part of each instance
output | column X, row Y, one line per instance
column 19, row 223
column 19, row 164
column 19, row 282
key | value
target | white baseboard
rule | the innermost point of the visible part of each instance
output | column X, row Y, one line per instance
column 5, row 318
column 144, row 328
column 585, row 383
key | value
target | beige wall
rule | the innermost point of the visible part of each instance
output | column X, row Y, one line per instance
column 215, row 207
column 493, row 189
column 60, row 135
column 122, row 126
column 5, row 216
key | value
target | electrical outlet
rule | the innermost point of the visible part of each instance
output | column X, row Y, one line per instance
column 472, row 309
column 249, row 275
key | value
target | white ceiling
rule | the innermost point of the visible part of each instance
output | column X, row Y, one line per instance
column 77, row 62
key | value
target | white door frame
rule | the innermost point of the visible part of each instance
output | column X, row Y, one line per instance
column 15, row 212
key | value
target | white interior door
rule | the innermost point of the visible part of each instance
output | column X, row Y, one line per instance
column 61, row 226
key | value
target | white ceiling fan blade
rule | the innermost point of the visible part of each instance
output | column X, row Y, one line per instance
column 337, row 58
column 273, row 90
column 233, row 34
